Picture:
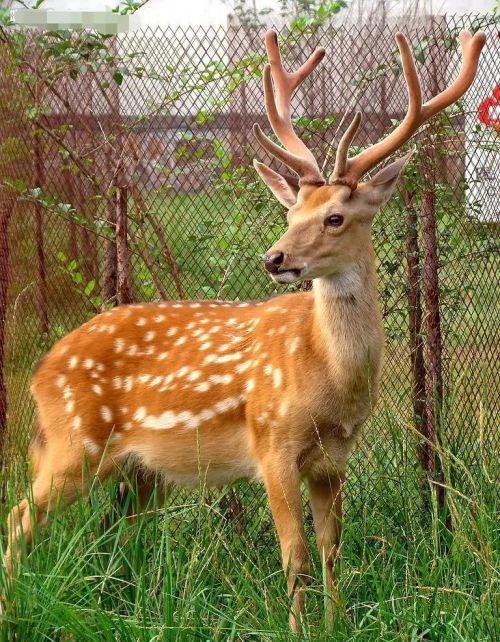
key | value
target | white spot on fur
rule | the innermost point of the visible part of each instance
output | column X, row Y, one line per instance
column 159, row 318
column 228, row 357
column 72, row 361
column 196, row 374
column 90, row 446
column 144, row 378
column 140, row 414
column 268, row 369
column 283, row 408
column 224, row 379
column 180, row 341
column 162, row 356
column 141, row 321
column 88, row 363
column 294, row 344
column 128, row 383
column 206, row 414
column 195, row 305
column 250, row 385
column 106, row 414
column 70, row 406
column 117, row 383
column 149, row 336
column 97, row 389
column 241, row 367
column 155, row 382
column 77, row 422
column 277, row 377
column 227, row 404
column 132, row 350
column 60, row 381
column 202, row 387
column 206, row 345
column 166, row 420
column 171, row 331
column 67, row 392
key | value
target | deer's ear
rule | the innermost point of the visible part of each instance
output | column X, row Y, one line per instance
column 284, row 188
column 379, row 189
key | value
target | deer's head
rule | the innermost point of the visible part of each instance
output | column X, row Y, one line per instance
column 329, row 224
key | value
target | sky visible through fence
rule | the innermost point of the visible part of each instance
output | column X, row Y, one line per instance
column 125, row 169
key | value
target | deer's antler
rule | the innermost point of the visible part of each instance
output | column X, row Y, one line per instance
column 294, row 152
column 349, row 170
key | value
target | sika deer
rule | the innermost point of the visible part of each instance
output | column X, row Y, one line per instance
column 276, row 390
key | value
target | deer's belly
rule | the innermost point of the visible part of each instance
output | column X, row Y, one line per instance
column 192, row 457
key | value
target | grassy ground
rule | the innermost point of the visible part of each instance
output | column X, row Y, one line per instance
column 185, row 574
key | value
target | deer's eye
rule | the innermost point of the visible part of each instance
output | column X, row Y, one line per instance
column 334, row 220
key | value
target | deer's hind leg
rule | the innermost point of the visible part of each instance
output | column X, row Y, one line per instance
column 61, row 473
column 140, row 494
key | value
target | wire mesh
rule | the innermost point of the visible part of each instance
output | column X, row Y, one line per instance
column 156, row 125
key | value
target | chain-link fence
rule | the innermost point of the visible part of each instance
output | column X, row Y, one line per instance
column 125, row 176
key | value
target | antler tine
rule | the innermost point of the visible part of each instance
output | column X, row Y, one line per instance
column 417, row 113
column 471, row 47
column 343, row 148
column 278, row 107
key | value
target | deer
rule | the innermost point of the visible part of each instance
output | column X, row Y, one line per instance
column 275, row 390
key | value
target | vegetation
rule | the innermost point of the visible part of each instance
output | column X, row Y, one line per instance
column 188, row 572
column 184, row 573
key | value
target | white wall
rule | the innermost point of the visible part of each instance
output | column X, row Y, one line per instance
column 214, row 12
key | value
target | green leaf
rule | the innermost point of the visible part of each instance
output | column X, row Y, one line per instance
column 89, row 288
column 118, row 77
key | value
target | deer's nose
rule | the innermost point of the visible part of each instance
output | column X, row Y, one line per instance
column 273, row 261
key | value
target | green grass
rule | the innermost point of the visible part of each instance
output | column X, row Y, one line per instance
column 184, row 573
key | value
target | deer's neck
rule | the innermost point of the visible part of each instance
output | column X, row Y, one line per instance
column 347, row 325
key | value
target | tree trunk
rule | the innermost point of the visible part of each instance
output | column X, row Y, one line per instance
column 41, row 267
column 122, row 250
column 6, row 209
column 415, row 331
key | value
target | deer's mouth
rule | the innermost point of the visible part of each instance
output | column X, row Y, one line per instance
column 287, row 276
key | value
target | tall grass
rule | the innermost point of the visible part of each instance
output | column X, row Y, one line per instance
column 184, row 573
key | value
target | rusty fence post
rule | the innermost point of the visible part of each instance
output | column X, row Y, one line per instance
column 416, row 342
column 124, row 289
column 433, row 347
column 6, row 208
column 41, row 267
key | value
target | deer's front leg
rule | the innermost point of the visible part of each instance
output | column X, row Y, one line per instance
column 326, row 504
column 283, row 488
